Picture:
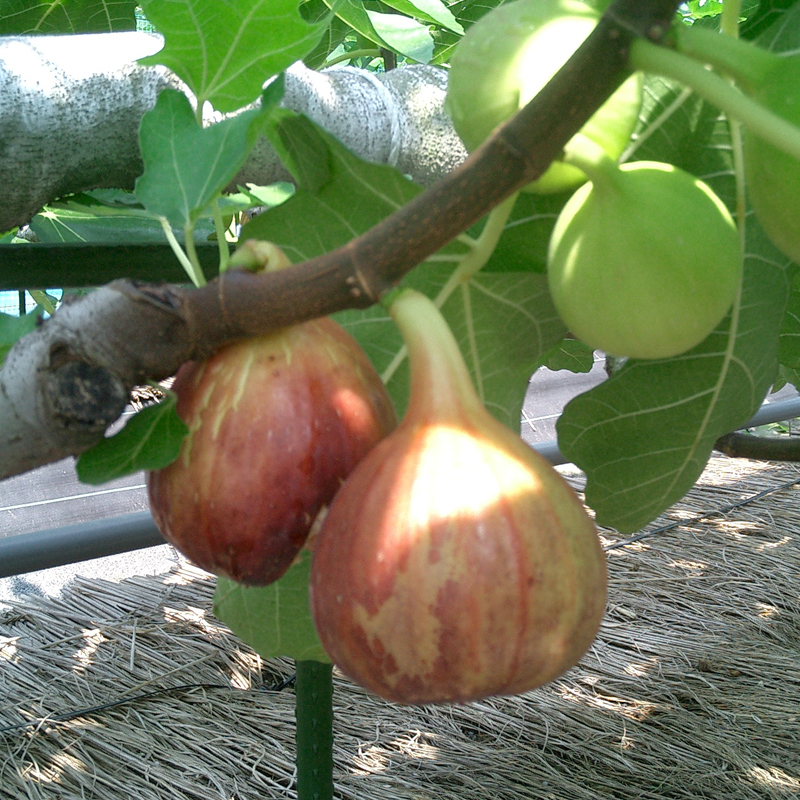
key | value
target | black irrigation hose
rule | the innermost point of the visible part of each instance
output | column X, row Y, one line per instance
column 184, row 687
column 700, row 517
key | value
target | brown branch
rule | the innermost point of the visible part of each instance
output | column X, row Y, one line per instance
column 759, row 448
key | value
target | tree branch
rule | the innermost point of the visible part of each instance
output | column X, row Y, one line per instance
column 51, row 147
column 132, row 331
column 759, row 448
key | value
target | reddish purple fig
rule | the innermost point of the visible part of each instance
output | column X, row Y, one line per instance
column 276, row 424
column 455, row 562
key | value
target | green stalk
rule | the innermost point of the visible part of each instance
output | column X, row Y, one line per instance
column 219, row 225
column 767, row 126
column 371, row 52
column 592, row 159
column 746, row 62
column 469, row 265
column 193, row 269
column 314, row 736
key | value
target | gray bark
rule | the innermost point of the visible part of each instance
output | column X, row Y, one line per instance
column 72, row 105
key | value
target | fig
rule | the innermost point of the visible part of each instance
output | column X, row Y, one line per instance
column 773, row 176
column 276, row 423
column 455, row 562
column 772, row 79
column 644, row 261
column 508, row 56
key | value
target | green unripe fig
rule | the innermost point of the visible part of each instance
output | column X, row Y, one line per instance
column 644, row 261
column 508, row 56
column 773, row 80
column 773, row 176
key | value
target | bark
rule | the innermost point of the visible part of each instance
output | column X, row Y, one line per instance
column 72, row 104
column 759, row 448
column 61, row 384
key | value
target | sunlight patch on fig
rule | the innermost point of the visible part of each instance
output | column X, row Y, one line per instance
column 455, row 562
column 508, row 56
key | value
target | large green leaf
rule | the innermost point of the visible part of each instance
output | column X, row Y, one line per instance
column 226, row 49
column 185, row 165
column 504, row 322
column 66, row 16
column 274, row 620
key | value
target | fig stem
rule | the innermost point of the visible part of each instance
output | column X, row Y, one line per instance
column 440, row 382
column 591, row 158
column 759, row 120
column 469, row 265
column 314, row 733
column 748, row 63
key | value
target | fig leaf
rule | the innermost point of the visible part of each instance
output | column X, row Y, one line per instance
column 274, row 620
column 224, row 54
column 187, row 166
column 356, row 196
column 150, row 440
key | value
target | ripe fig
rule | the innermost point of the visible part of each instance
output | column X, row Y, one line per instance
column 276, row 423
column 508, row 56
column 644, row 261
column 454, row 562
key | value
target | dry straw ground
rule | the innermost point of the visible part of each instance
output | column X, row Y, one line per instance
column 692, row 689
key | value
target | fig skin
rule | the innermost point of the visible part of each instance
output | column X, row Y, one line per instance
column 508, row 56
column 276, row 423
column 644, row 262
column 773, row 176
column 455, row 562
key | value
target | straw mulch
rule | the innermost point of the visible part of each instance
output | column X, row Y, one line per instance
column 692, row 689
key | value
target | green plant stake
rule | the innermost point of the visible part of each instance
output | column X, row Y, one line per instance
column 314, row 713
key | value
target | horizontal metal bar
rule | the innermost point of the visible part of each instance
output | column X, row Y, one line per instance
column 57, row 547
column 29, row 552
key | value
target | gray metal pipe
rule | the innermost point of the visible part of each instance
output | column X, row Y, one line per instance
column 30, row 552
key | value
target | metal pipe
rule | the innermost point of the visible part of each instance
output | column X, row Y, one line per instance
column 29, row 552
column 57, row 547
